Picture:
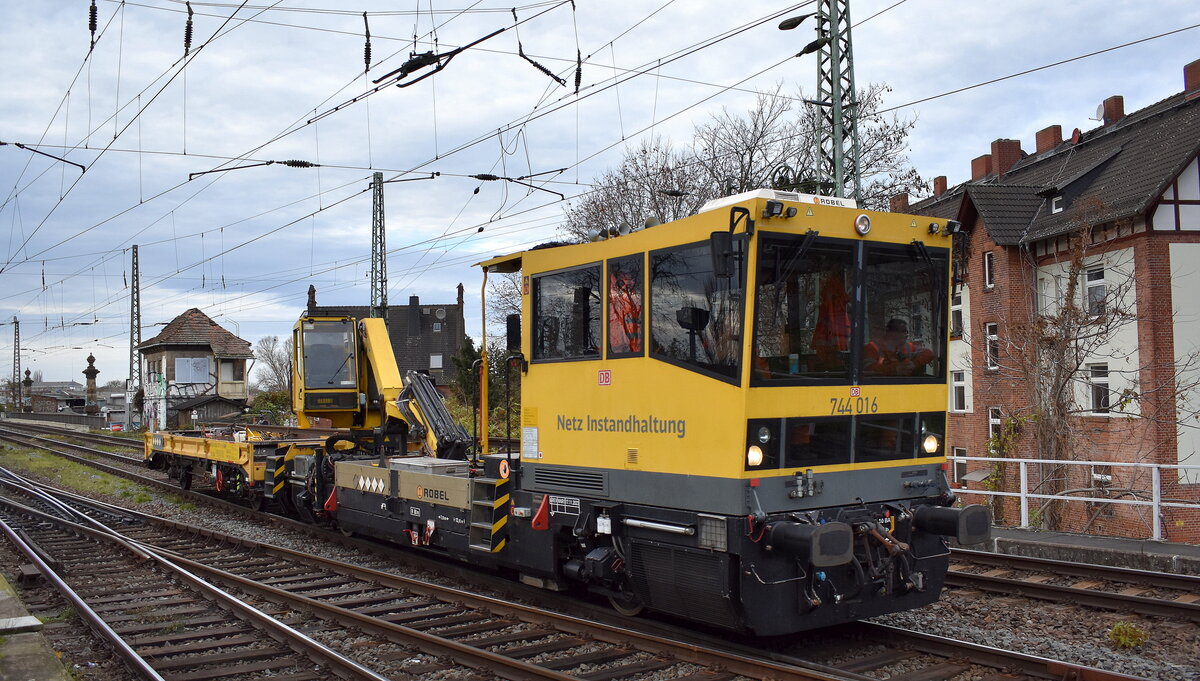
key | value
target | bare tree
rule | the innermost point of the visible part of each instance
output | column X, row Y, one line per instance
column 654, row 181
column 735, row 152
column 274, row 367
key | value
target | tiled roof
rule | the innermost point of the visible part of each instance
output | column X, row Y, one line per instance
column 195, row 328
column 1112, row 173
column 1006, row 209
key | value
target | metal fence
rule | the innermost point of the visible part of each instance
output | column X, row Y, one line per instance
column 1152, row 499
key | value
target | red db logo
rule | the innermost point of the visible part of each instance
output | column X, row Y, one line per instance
column 604, row 377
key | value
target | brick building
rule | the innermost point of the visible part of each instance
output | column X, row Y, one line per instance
column 1108, row 219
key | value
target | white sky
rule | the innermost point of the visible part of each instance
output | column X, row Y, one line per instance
column 244, row 245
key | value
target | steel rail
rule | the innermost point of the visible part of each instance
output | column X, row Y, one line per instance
column 1165, row 580
column 1032, row 665
column 687, row 652
column 295, row 639
column 89, row 616
column 1089, row 597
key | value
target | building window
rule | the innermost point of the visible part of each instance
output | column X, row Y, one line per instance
column 1098, row 387
column 992, row 331
column 956, row 315
column 958, row 392
column 435, row 360
column 1056, row 204
column 437, row 326
column 959, row 467
column 232, row 370
column 1096, row 291
column 989, row 269
column 995, row 425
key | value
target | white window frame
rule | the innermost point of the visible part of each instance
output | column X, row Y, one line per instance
column 1056, row 204
column 1088, row 284
column 1097, row 379
column 989, row 269
column 958, row 387
column 956, row 315
column 958, row 464
column 435, row 360
column 995, row 423
column 991, row 350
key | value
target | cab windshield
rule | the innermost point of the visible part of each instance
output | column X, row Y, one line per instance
column 832, row 311
column 329, row 355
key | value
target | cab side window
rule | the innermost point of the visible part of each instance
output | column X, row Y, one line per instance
column 626, row 313
column 695, row 316
column 566, row 314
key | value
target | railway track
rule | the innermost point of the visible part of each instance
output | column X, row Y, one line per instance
column 1099, row 586
column 164, row 622
column 459, row 628
column 907, row 650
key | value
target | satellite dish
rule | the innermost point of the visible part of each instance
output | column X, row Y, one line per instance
column 1076, row 136
column 1099, row 112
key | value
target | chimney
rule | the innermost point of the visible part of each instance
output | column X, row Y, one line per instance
column 981, row 167
column 414, row 316
column 898, row 203
column 1191, row 80
column 1049, row 138
column 1114, row 109
column 1005, row 154
column 939, row 185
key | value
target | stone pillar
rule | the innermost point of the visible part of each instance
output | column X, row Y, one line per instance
column 90, row 407
column 27, row 407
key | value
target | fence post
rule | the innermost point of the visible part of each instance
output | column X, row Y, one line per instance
column 1156, row 483
column 1024, row 493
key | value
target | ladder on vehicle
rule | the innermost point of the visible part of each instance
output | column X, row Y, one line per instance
column 489, row 514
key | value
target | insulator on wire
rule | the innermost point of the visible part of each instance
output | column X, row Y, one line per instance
column 367, row 47
column 187, row 32
column 539, row 67
column 92, row 12
column 578, row 70
column 299, row 164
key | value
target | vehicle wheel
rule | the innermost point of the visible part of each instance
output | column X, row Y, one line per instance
column 185, row 478
column 256, row 501
column 626, row 604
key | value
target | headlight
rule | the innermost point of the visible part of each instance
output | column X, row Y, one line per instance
column 754, row 456
column 930, row 444
column 764, row 434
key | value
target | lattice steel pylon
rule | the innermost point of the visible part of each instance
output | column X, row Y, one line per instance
column 135, row 339
column 837, row 136
column 378, row 252
column 15, row 386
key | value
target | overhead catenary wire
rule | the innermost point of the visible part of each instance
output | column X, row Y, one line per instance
column 990, row 81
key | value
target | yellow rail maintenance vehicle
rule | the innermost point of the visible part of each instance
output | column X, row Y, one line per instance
column 737, row 418
column 242, row 461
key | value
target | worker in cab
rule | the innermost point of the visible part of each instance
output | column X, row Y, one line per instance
column 624, row 313
column 893, row 354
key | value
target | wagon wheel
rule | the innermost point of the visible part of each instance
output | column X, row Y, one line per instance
column 256, row 500
column 185, row 478
column 626, row 603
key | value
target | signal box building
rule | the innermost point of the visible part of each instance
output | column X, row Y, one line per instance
column 193, row 366
column 1108, row 221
